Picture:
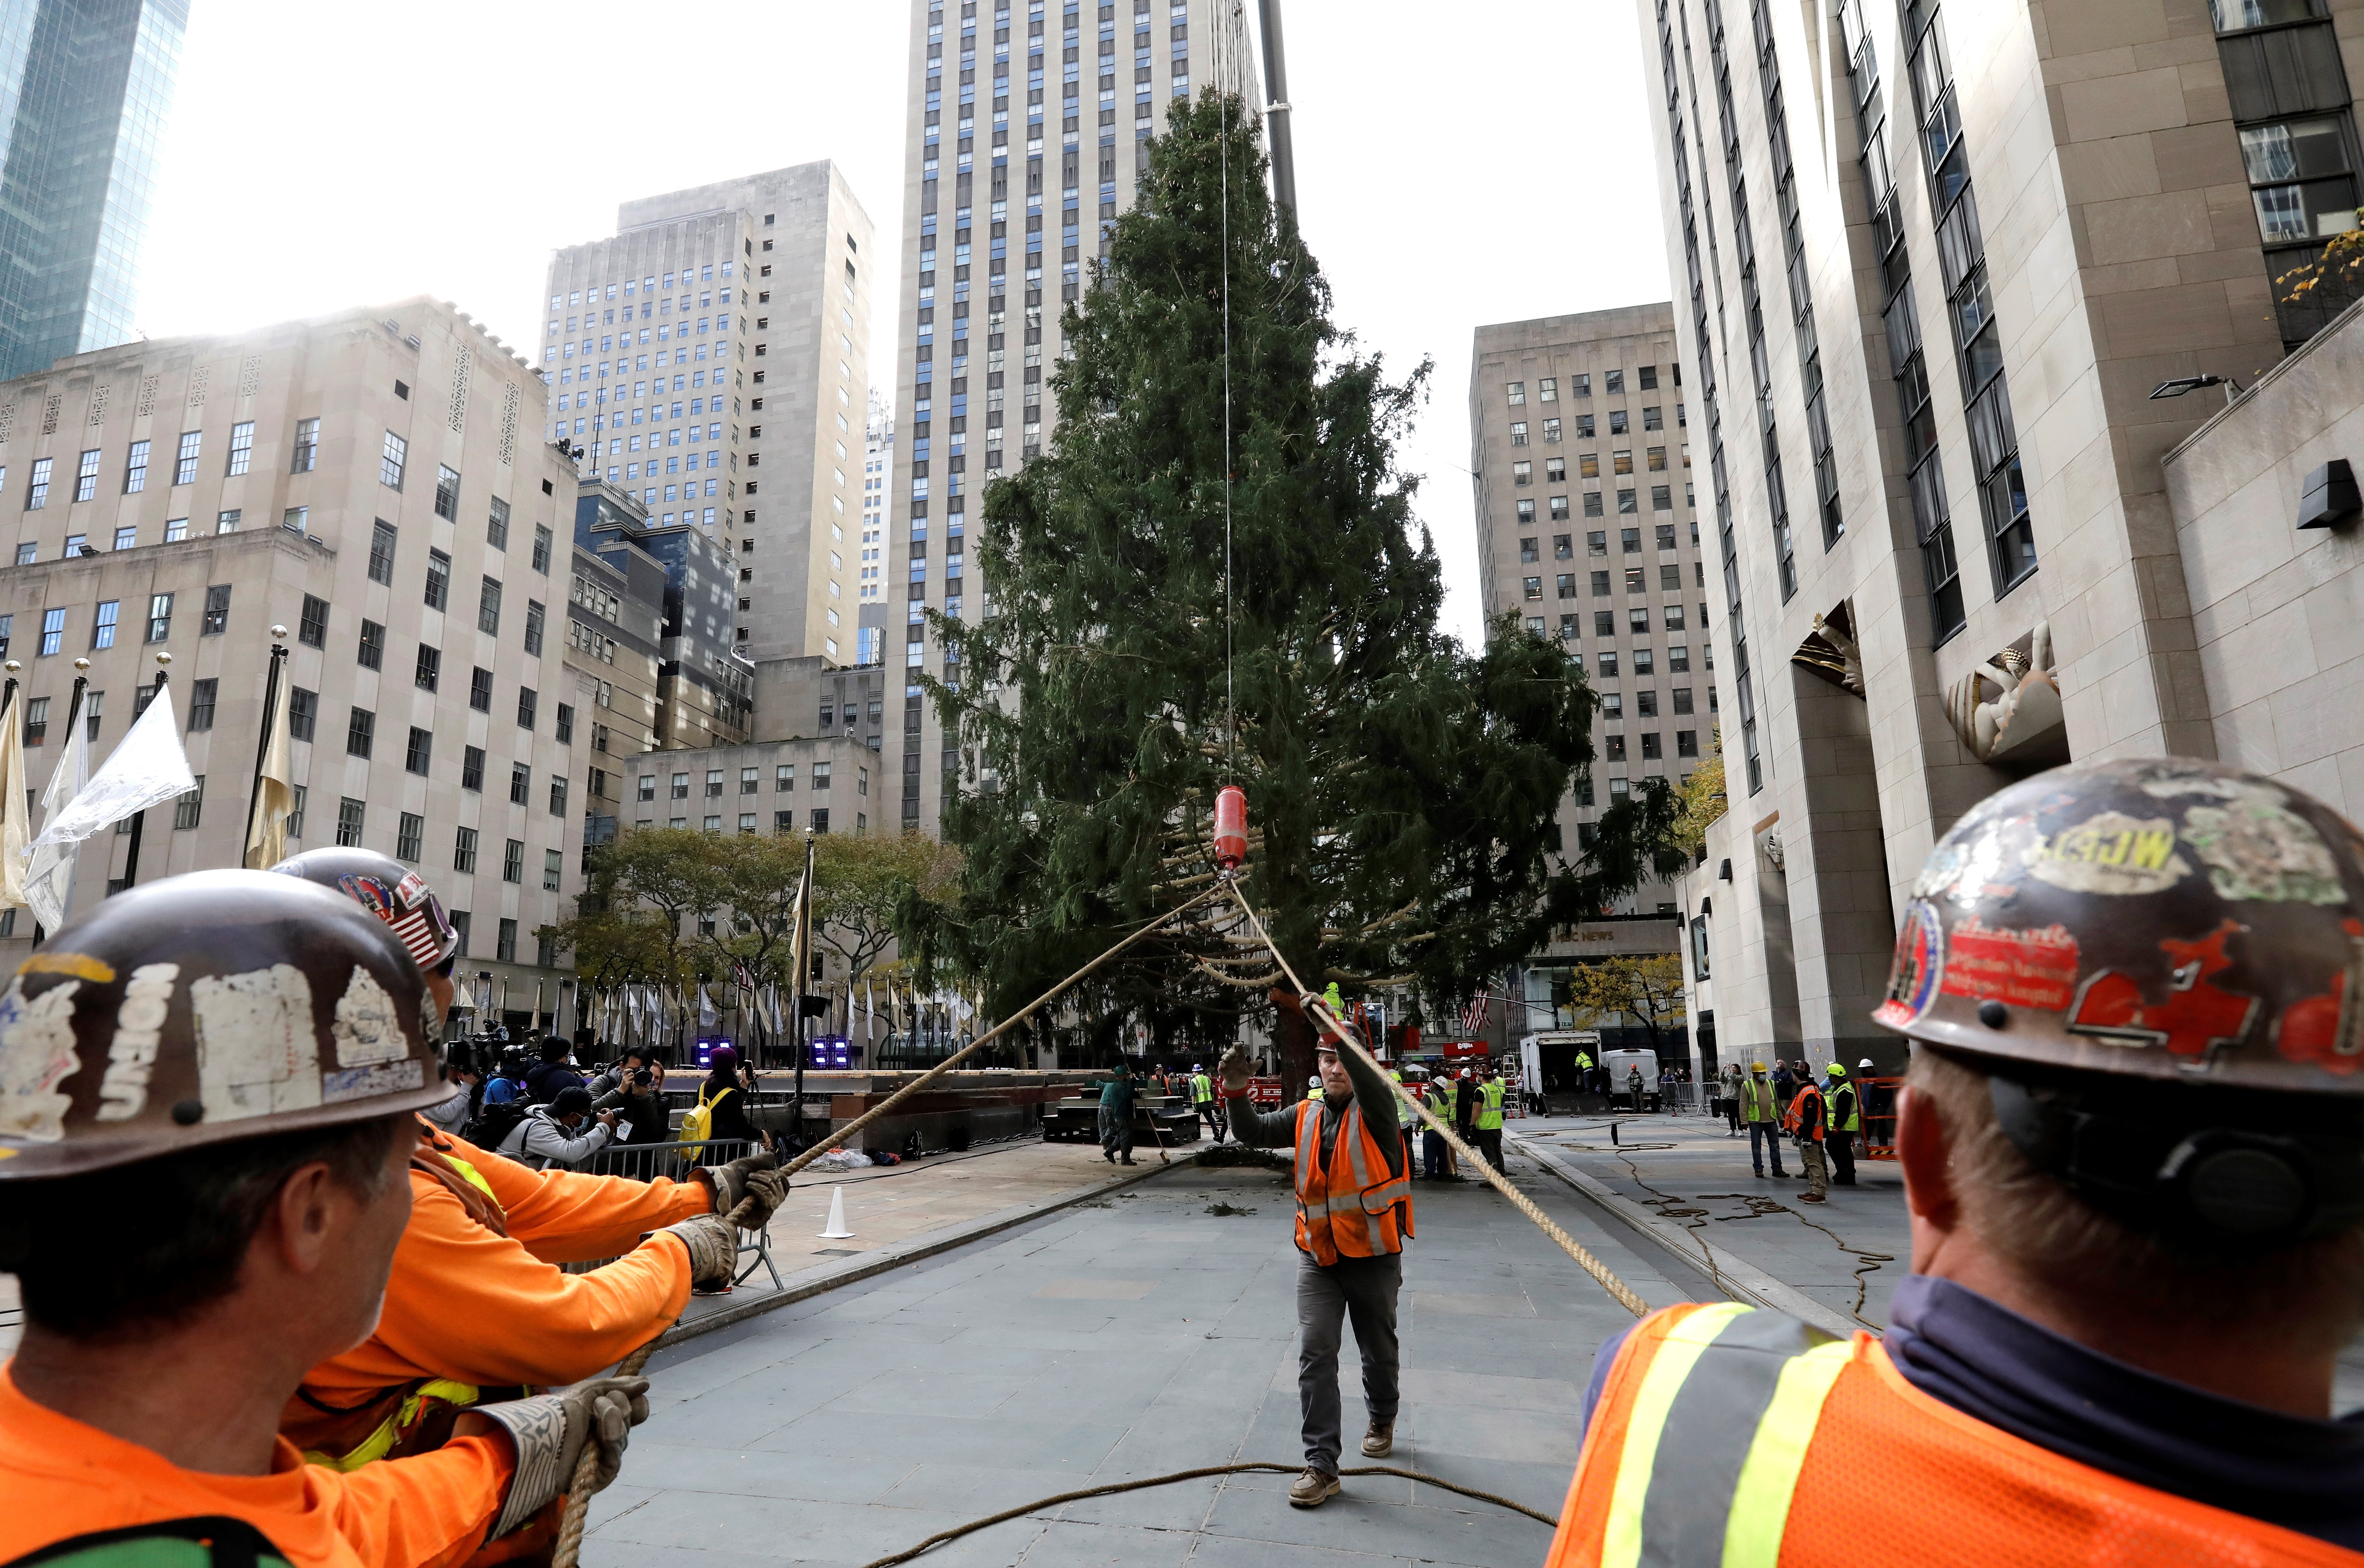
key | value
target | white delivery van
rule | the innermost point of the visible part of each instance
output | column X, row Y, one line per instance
column 1620, row 1062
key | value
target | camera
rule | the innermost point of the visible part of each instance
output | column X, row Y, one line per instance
column 643, row 1077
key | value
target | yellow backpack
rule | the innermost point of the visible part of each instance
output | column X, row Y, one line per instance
column 697, row 1122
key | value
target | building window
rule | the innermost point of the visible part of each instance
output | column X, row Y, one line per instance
column 86, row 477
column 525, row 704
column 311, row 626
column 135, row 469
column 242, row 448
column 381, row 555
column 303, row 713
column 521, row 783
column 307, row 447
column 447, row 494
column 513, row 861
column 360, row 732
column 533, row 624
column 427, row 673
column 102, row 631
column 542, row 539
column 53, row 631
column 553, row 866
column 419, row 754
column 820, row 820
column 564, row 728
column 372, row 652
column 296, row 812
column 217, row 610
column 439, row 579
column 408, row 837
column 37, row 721
column 489, row 607
column 201, row 702
column 471, row 768
column 349, row 823
column 38, row 496
column 463, row 850
column 189, row 805
column 459, row 923
column 390, row 460
column 505, row 948
column 185, row 468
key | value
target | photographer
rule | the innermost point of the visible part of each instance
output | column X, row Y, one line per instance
column 636, row 1098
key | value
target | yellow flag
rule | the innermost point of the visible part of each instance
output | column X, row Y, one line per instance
column 14, row 814
column 266, row 841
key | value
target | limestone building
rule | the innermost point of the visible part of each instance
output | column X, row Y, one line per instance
column 1943, row 271
column 710, row 361
column 373, row 481
column 1018, row 111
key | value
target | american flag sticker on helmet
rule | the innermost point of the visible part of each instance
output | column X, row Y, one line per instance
column 419, row 936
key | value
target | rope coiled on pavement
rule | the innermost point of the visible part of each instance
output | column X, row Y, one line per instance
column 972, row 1526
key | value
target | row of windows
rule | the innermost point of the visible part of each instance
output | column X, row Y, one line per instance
column 1612, row 384
column 1671, row 615
column 782, row 821
column 1597, row 542
column 1588, row 465
column 632, row 286
column 107, row 622
column 751, row 781
column 189, row 452
column 1662, row 499
column 1653, row 419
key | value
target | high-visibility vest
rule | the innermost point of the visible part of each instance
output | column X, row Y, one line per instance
column 1202, row 1088
column 1404, row 1118
column 1356, row 1208
column 1756, row 1102
column 1845, row 1115
column 1583, row 1062
column 1731, row 1435
column 1794, row 1119
column 1489, row 1106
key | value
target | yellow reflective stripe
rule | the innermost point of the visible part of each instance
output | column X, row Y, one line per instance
column 474, row 1179
column 1760, row 1503
column 1645, row 1422
column 380, row 1443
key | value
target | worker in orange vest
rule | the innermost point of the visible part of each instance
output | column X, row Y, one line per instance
column 2132, row 1139
column 477, row 1302
column 1354, row 1215
column 208, row 1089
column 1806, row 1119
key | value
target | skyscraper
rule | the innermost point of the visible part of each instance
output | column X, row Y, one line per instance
column 1088, row 133
column 732, row 400
column 85, row 89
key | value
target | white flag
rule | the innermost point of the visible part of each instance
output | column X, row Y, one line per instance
column 705, row 1009
column 266, row 841
column 146, row 769
column 15, row 831
column 49, row 879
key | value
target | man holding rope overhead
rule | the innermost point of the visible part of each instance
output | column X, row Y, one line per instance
column 1354, row 1215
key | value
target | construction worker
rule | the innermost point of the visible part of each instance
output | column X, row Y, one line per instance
column 1762, row 1112
column 1405, row 1119
column 1583, row 1069
column 1202, row 1100
column 1312, row 1087
column 1877, row 1103
column 1354, row 1215
column 1487, row 1121
column 208, row 1089
column 2131, row 1139
column 1806, row 1120
column 1116, row 1114
column 477, row 1301
column 1845, row 1122
column 1635, row 1088
column 1444, row 1099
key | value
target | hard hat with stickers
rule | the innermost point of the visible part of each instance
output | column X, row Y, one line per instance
column 2164, row 922
column 201, row 1009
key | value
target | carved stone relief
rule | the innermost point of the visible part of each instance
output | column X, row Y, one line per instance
column 2008, row 709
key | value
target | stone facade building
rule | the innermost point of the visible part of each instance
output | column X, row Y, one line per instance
column 373, row 481
column 1938, row 265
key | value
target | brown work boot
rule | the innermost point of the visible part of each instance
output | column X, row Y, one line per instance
column 1380, row 1440
column 1311, row 1489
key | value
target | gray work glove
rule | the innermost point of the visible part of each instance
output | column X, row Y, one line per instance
column 1235, row 1071
column 754, row 1177
column 713, row 1248
column 550, row 1431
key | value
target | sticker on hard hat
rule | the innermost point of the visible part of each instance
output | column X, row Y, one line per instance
column 256, row 1050
column 2025, row 969
column 2109, row 853
column 2328, row 1028
column 37, row 1054
column 368, row 1082
column 138, row 1031
column 1920, row 963
column 1970, row 871
column 367, row 1029
column 2256, row 848
column 2195, row 1018
column 82, row 966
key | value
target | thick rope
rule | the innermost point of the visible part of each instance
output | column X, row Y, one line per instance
column 1114, row 1486
column 949, row 1062
column 1320, row 1010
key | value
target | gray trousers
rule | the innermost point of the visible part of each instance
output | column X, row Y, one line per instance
column 1365, row 1288
column 1116, row 1132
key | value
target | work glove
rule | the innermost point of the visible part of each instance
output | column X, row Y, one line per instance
column 550, row 1432
column 752, row 1177
column 713, row 1249
column 1235, row 1071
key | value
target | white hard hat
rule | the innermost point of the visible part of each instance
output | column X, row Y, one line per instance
column 1864, row 1062
column 1314, row 1082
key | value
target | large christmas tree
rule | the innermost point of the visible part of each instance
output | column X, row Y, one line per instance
column 1148, row 637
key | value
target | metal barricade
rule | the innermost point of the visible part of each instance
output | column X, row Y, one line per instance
column 647, row 1162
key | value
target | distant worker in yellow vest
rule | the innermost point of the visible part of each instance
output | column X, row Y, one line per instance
column 1354, row 1215
column 1486, row 1120
column 1762, row 1111
column 1845, row 1120
column 1202, row 1100
column 1584, row 1072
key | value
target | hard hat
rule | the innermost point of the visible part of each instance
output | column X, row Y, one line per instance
column 1314, row 1082
column 203, row 1009
column 2104, row 937
column 1756, row 1067
column 392, row 892
column 1862, row 1064
column 1835, row 1071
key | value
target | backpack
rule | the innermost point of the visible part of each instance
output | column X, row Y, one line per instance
column 492, row 1125
column 207, row 1543
column 697, row 1122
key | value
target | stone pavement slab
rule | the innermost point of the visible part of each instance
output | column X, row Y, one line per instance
column 1134, row 1337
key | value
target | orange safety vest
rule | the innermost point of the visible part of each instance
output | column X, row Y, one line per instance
column 1727, row 1435
column 1792, row 1121
column 1354, row 1209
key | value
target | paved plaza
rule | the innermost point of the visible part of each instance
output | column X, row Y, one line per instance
column 1136, row 1335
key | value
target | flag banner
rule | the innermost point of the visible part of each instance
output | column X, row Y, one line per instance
column 15, row 829
column 266, row 841
column 146, row 769
column 49, row 879
column 705, row 1009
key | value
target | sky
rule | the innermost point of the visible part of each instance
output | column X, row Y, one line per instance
column 1476, row 163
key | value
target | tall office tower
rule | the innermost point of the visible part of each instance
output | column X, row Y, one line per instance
column 86, row 87
column 1929, row 287
column 1587, row 530
column 710, row 358
column 1015, row 116
column 367, row 487
column 877, row 472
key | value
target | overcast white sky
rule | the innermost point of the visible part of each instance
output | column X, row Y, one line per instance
column 1455, row 165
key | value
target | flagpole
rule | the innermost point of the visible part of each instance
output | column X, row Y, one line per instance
column 803, row 947
column 262, row 739
column 139, row 818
